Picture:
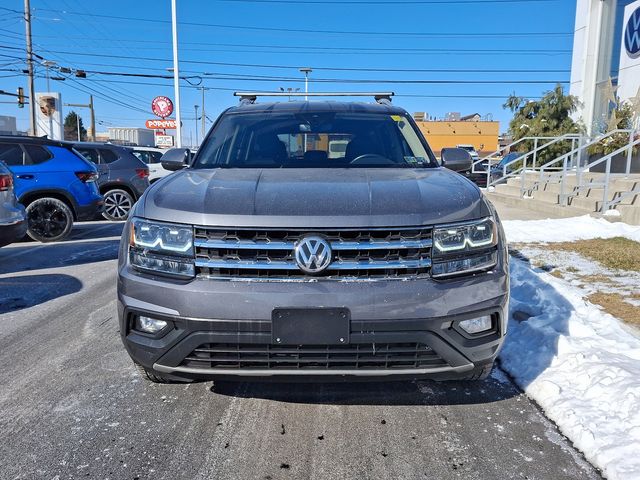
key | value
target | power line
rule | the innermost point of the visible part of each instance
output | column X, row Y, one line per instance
column 308, row 48
column 386, row 2
column 237, row 76
column 337, row 32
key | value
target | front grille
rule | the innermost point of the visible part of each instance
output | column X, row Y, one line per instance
column 390, row 356
column 268, row 254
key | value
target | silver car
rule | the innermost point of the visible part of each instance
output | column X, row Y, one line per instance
column 269, row 256
column 13, row 218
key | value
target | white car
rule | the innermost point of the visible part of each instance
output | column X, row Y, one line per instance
column 472, row 151
column 151, row 156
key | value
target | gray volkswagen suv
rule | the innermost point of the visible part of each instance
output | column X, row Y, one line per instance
column 269, row 256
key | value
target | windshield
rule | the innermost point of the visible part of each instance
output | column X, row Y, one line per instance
column 313, row 140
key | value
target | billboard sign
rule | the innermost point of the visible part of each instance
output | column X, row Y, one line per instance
column 164, row 124
column 162, row 106
column 49, row 115
column 165, row 141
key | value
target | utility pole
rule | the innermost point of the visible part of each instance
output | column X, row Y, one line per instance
column 78, row 126
column 195, row 107
column 204, row 126
column 93, row 119
column 176, row 73
column 32, row 96
column 92, row 116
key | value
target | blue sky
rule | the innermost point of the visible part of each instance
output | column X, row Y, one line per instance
column 501, row 40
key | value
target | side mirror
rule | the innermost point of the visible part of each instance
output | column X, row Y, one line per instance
column 176, row 159
column 456, row 159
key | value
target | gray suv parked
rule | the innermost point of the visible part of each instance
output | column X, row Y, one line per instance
column 123, row 177
column 268, row 257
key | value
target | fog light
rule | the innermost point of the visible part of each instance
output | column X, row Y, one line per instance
column 149, row 325
column 477, row 325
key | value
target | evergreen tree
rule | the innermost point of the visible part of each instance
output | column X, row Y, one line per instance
column 548, row 117
column 71, row 127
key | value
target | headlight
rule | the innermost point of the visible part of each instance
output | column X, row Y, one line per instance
column 464, row 248
column 161, row 247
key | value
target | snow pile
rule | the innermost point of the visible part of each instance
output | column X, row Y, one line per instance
column 579, row 363
column 567, row 229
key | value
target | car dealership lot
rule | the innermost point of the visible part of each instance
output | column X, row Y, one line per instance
column 73, row 405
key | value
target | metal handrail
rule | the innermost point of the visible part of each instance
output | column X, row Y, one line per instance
column 523, row 158
column 606, row 159
column 621, row 196
column 573, row 152
column 506, row 147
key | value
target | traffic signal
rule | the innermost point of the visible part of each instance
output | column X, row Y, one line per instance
column 20, row 97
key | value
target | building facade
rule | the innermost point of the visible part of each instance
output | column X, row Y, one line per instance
column 605, row 69
column 443, row 134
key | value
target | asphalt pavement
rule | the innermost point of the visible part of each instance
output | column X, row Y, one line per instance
column 72, row 405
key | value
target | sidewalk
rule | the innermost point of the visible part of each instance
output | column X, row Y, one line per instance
column 510, row 212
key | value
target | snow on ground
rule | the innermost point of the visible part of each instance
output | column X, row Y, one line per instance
column 581, row 365
column 567, row 229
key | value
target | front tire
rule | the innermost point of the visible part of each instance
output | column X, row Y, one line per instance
column 157, row 377
column 117, row 204
column 480, row 373
column 49, row 220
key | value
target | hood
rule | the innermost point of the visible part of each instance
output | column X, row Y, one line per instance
column 310, row 198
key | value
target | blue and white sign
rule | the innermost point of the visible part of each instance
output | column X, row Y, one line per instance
column 632, row 34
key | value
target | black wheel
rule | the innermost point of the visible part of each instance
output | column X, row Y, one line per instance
column 157, row 377
column 151, row 375
column 117, row 204
column 49, row 219
column 480, row 373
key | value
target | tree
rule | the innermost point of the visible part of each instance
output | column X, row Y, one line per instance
column 621, row 119
column 71, row 127
column 548, row 117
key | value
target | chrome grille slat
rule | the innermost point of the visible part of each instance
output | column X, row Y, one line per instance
column 337, row 265
column 264, row 254
column 336, row 246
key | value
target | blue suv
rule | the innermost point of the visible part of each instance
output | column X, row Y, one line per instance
column 54, row 183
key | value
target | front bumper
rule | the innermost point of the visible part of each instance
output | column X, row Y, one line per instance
column 13, row 230
column 208, row 312
column 90, row 211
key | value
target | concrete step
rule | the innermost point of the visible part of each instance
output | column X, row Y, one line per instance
column 554, row 211
column 629, row 214
column 548, row 197
column 586, row 203
column 506, row 189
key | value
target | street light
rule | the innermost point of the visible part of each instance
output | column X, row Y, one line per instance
column 306, row 71
column 290, row 90
column 47, row 65
column 176, row 73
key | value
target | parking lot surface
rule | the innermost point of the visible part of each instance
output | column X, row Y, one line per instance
column 73, row 405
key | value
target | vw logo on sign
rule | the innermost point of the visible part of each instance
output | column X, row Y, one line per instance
column 632, row 35
column 312, row 254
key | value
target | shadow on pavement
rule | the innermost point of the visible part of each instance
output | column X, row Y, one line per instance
column 52, row 255
column 26, row 291
column 494, row 389
column 86, row 231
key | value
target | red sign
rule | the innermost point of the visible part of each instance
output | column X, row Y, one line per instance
column 163, row 124
column 162, row 106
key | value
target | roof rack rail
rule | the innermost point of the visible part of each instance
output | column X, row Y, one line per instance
column 251, row 97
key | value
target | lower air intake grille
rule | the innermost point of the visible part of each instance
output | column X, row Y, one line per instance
column 313, row 357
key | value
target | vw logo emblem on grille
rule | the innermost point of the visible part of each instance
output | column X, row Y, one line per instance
column 312, row 254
